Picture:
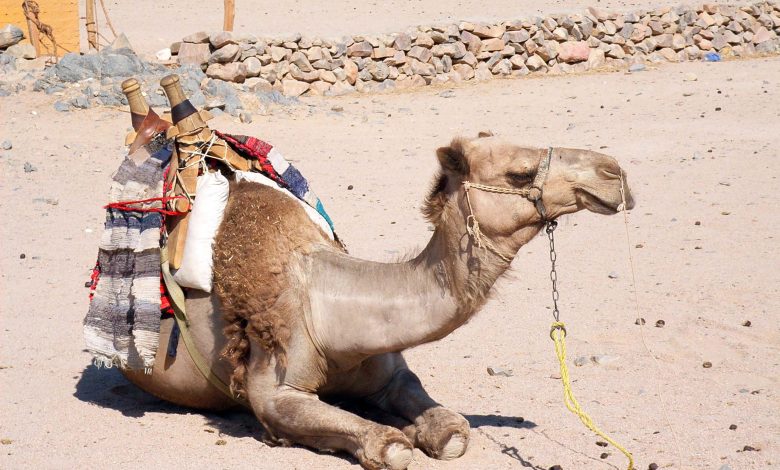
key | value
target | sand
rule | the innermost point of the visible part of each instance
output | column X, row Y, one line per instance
column 702, row 158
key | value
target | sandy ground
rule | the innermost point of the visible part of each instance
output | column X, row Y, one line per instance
column 166, row 22
column 703, row 161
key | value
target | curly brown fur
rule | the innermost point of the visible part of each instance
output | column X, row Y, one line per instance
column 261, row 230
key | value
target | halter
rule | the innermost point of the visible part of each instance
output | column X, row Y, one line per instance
column 533, row 194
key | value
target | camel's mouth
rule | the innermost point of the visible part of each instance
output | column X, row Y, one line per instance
column 607, row 203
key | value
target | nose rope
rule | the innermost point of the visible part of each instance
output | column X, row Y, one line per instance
column 533, row 194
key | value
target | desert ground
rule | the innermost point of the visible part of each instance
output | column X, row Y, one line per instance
column 703, row 159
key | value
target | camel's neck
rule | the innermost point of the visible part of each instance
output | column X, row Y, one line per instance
column 364, row 308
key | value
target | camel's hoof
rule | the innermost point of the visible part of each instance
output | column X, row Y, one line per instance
column 397, row 456
column 455, row 447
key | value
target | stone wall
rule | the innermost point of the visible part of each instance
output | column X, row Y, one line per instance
column 299, row 65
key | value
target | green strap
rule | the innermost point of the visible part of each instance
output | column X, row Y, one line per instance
column 177, row 302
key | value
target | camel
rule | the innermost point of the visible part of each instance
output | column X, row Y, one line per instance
column 295, row 321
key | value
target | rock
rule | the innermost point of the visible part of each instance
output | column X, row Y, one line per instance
column 660, row 324
column 340, row 88
column 221, row 39
column 257, row 84
column 253, row 66
column 194, row 54
column 492, row 45
column 488, row 32
column 225, row 54
column 472, row 42
column 637, row 68
column 560, row 34
column 61, row 106
column 351, row 71
column 279, row 54
column 420, row 53
column 403, row 42
column 29, row 168
column 603, row 359
column 572, row 52
column 455, row 50
column 517, row 37
column 328, row 77
column 245, row 117
column 483, row 72
column 422, row 69
column 6, row 145
column 300, row 75
column 10, row 35
column 294, row 87
column 232, row 72
column 301, row 61
column 215, row 102
column 163, row 54
column 379, row 70
column 383, row 52
column 465, row 71
column 21, row 51
column 503, row 67
column 580, row 361
column 35, row 65
column 616, row 52
column 121, row 42
column 535, row 63
column 119, row 65
column 498, row 371
column 690, row 77
column 196, row 38
column 175, row 47
column 424, row 40
column 319, row 88
column 360, row 49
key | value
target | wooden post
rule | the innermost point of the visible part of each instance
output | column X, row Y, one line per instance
column 230, row 14
column 92, row 39
column 33, row 30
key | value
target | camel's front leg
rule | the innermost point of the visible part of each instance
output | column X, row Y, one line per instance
column 441, row 433
column 291, row 415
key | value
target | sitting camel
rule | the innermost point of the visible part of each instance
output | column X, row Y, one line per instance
column 302, row 320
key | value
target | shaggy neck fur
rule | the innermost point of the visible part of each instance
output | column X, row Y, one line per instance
column 419, row 301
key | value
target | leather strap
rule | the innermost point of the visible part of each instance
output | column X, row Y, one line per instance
column 177, row 302
column 151, row 126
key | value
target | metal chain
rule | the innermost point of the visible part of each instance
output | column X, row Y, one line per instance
column 551, row 226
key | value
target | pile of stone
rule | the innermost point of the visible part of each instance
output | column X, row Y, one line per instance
column 299, row 65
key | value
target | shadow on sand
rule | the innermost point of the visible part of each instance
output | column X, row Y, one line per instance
column 478, row 422
column 108, row 388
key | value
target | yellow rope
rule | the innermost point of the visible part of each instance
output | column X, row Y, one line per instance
column 558, row 335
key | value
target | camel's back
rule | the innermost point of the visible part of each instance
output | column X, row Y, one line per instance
column 261, row 230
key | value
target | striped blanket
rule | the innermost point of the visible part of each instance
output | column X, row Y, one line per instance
column 127, row 295
column 123, row 322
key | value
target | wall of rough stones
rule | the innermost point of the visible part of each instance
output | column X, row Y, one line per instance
column 299, row 65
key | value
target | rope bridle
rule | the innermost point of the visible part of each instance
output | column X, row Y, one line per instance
column 533, row 194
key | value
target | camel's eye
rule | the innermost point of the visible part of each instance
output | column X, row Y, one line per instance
column 519, row 179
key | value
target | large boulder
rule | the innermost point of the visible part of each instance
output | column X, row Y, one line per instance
column 21, row 51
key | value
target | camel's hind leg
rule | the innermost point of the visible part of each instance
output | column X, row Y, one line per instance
column 294, row 416
column 440, row 433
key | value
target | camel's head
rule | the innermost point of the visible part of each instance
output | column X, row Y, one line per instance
column 577, row 179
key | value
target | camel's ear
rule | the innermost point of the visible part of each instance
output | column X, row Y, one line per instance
column 453, row 158
column 485, row 134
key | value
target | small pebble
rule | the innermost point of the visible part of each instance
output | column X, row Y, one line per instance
column 660, row 324
column 601, row 444
column 707, row 364
column 639, row 321
column 337, row 108
column 718, row 108
column 22, row 256
column 6, row 442
column 604, row 455
column 697, row 222
column 746, row 323
column 29, row 168
column 613, row 275
column 350, row 187
column 652, row 466
column 497, row 371
column 221, row 442
column 725, row 213
column 556, row 467
column 580, row 361
column 749, row 449
column 733, row 427
column 639, row 245
column 6, row 145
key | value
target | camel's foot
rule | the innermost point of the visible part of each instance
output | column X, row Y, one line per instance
column 442, row 434
column 385, row 448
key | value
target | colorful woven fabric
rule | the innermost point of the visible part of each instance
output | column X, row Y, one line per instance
column 123, row 322
column 275, row 167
